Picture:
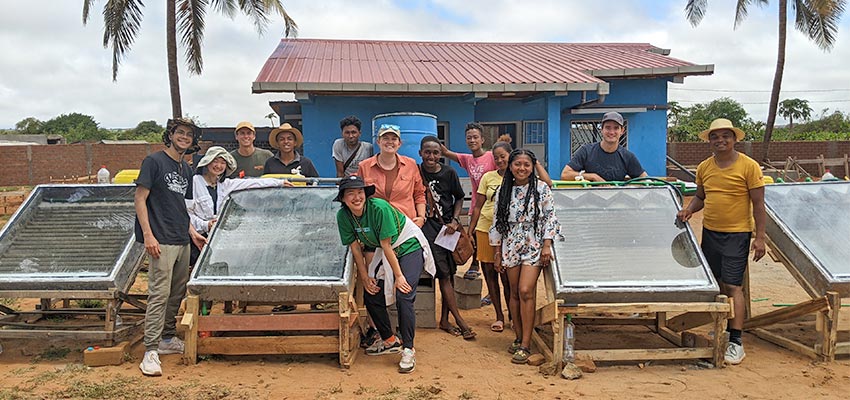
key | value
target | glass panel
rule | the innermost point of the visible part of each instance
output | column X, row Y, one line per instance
column 624, row 237
column 816, row 214
column 69, row 231
column 277, row 234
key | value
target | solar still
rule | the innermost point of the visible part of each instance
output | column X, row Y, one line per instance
column 75, row 236
column 810, row 224
column 623, row 244
column 272, row 237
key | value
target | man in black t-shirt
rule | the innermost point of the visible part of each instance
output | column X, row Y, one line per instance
column 444, row 204
column 162, row 224
column 605, row 160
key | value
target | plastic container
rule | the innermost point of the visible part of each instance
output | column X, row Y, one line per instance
column 828, row 176
column 103, row 175
column 413, row 126
column 569, row 340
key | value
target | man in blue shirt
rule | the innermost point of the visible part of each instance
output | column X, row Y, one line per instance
column 605, row 160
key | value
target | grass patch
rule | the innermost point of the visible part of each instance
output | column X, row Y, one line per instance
column 466, row 395
column 90, row 303
column 53, row 354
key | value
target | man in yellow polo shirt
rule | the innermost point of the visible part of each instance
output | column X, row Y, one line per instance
column 731, row 190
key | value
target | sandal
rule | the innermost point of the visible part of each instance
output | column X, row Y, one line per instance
column 468, row 334
column 514, row 346
column 451, row 329
column 497, row 326
column 471, row 274
column 521, row 356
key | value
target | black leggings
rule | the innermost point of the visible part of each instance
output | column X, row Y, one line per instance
column 411, row 266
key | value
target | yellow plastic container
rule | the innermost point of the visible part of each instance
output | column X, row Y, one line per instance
column 287, row 176
column 768, row 180
column 126, row 176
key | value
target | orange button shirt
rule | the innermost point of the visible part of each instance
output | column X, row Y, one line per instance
column 407, row 190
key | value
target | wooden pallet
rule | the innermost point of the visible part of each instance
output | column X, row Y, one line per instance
column 650, row 314
column 311, row 332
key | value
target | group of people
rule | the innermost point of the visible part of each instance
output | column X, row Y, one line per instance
column 392, row 211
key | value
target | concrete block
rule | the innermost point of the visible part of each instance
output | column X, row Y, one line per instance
column 424, row 318
column 105, row 355
column 468, row 286
column 425, row 301
column 468, row 301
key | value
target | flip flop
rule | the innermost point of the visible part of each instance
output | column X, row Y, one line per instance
column 471, row 274
column 468, row 334
column 452, row 330
column 497, row 326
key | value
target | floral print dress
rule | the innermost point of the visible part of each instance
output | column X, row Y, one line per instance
column 522, row 245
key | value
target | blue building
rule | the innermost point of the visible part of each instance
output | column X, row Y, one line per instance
column 549, row 97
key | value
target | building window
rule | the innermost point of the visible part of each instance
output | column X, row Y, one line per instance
column 532, row 133
column 443, row 132
column 493, row 130
column 589, row 131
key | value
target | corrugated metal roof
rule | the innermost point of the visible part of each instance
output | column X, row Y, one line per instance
column 359, row 65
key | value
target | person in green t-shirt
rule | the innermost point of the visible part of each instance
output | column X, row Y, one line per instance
column 365, row 224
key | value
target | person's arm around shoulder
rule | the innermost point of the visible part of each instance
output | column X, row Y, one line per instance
column 449, row 154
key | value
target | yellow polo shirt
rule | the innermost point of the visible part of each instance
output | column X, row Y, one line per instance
column 728, row 207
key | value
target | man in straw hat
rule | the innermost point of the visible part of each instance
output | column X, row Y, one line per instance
column 250, row 160
column 731, row 190
column 605, row 160
column 286, row 139
column 162, row 224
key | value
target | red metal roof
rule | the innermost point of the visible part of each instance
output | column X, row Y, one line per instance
column 327, row 65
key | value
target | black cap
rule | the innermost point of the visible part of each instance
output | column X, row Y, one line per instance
column 353, row 182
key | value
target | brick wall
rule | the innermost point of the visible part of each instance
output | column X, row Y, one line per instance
column 692, row 153
column 33, row 165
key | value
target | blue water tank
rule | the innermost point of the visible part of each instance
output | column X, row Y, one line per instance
column 414, row 126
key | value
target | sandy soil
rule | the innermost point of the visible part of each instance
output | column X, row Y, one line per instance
column 447, row 368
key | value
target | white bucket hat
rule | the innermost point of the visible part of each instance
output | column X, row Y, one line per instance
column 215, row 152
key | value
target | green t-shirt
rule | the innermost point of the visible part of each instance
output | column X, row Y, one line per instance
column 253, row 164
column 379, row 221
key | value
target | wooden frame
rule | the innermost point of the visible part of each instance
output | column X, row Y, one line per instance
column 650, row 314
column 827, row 309
column 312, row 332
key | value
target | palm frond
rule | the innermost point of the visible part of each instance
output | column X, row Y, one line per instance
column 695, row 9
column 818, row 20
column 86, row 9
column 226, row 7
column 741, row 10
column 257, row 11
column 290, row 27
column 190, row 24
column 121, row 22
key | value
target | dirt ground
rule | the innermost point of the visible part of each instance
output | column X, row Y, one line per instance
column 447, row 368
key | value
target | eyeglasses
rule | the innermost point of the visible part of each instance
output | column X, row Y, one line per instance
column 188, row 133
column 389, row 127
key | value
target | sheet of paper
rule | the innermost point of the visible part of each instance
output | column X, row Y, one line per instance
column 446, row 240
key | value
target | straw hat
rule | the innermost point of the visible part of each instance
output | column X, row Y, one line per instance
column 722, row 123
column 299, row 139
column 215, row 152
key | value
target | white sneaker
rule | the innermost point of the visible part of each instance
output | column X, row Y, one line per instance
column 150, row 365
column 171, row 346
column 408, row 361
column 734, row 353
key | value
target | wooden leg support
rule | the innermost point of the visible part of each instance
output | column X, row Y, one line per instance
column 190, row 323
column 718, row 323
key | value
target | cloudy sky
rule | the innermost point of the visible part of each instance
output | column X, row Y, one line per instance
column 52, row 64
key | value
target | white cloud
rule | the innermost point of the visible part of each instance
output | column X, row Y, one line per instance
column 52, row 64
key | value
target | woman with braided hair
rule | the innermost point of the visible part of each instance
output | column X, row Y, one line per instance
column 524, row 226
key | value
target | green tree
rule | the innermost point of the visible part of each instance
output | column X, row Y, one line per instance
column 271, row 116
column 817, row 19
column 74, row 127
column 122, row 20
column 795, row 108
column 29, row 126
column 685, row 123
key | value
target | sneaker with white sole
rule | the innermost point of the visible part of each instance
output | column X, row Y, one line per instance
column 734, row 353
column 150, row 365
column 171, row 346
column 408, row 361
column 380, row 348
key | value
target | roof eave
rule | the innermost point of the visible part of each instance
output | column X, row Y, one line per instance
column 313, row 87
column 704, row 69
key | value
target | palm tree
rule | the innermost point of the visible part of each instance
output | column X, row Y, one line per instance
column 817, row 19
column 122, row 19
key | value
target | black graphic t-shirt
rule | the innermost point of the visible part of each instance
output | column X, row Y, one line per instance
column 170, row 184
column 445, row 189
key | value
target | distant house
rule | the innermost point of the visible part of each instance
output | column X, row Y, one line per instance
column 548, row 97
